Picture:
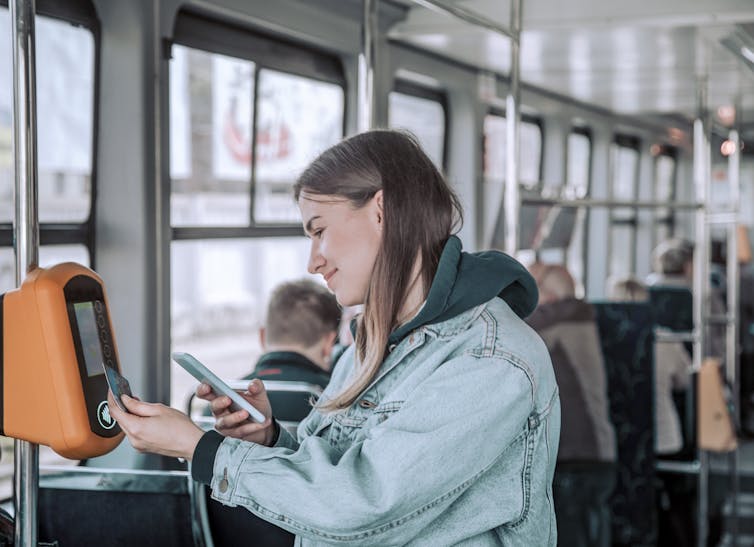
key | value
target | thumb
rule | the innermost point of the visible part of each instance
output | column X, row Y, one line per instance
column 255, row 387
column 138, row 407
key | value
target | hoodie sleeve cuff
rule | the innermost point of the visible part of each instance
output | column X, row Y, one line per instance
column 203, row 460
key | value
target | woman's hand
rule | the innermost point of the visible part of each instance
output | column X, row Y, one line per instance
column 237, row 424
column 156, row 428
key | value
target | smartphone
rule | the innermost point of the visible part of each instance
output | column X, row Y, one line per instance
column 117, row 384
column 192, row 365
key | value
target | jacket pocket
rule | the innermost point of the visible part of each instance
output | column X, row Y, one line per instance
column 354, row 426
column 385, row 410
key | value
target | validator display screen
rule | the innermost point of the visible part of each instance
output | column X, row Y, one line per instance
column 90, row 343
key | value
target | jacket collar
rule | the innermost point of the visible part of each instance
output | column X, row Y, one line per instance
column 275, row 359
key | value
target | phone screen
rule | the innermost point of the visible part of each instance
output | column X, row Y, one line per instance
column 117, row 384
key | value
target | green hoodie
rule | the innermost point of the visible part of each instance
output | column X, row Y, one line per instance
column 465, row 280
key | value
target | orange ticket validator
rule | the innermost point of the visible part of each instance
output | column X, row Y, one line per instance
column 56, row 335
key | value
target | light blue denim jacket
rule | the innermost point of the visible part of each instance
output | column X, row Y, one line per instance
column 453, row 443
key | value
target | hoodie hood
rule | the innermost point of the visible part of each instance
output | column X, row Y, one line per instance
column 466, row 280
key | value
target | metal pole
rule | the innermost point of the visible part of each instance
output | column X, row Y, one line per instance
column 731, row 350
column 367, row 61
column 612, row 203
column 702, row 181
column 731, row 331
column 26, row 236
column 511, row 197
column 473, row 18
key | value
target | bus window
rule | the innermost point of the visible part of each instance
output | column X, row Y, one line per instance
column 578, row 169
column 578, row 161
column 530, row 149
column 493, row 180
column 248, row 113
column 65, row 113
column 664, row 190
column 298, row 118
column 422, row 112
column 624, row 162
column 530, row 164
column 211, row 112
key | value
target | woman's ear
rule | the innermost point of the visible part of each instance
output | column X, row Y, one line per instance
column 377, row 199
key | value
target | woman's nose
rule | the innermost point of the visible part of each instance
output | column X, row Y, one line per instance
column 316, row 260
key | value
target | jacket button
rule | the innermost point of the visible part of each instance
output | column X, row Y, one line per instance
column 391, row 347
column 224, row 481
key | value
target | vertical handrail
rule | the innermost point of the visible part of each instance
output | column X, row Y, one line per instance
column 512, row 194
column 702, row 181
column 367, row 61
column 26, row 238
column 731, row 330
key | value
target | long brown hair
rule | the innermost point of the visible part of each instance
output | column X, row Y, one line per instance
column 420, row 212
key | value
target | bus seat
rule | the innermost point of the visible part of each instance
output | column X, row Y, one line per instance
column 291, row 401
column 627, row 336
column 89, row 507
column 672, row 307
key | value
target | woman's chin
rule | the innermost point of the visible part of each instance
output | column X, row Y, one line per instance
column 346, row 300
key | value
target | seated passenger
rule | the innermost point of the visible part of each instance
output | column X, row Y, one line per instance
column 673, row 265
column 585, row 472
column 672, row 373
column 298, row 338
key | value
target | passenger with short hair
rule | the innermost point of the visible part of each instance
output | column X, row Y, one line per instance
column 300, row 330
column 298, row 338
column 673, row 265
column 440, row 424
column 585, row 474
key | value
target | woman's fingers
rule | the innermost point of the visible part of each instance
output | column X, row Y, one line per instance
column 255, row 387
column 220, row 406
column 231, row 420
column 115, row 410
column 134, row 406
column 204, row 391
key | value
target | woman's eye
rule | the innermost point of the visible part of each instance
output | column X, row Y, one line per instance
column 317, row 233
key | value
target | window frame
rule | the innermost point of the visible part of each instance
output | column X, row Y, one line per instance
column 584, row 131
column 268, row 52
column 629, row 142
column 583, row 255
column 667, row 220
column 530, row 119
column 80, row 13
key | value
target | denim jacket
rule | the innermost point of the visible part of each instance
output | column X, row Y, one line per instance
column 453, row 443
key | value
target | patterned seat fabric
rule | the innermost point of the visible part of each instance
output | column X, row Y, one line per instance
column 627, row 337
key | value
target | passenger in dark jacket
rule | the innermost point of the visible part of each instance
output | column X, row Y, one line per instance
column 298, row 338
column 585, row 473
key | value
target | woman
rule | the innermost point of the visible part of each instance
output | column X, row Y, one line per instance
column 440, row 424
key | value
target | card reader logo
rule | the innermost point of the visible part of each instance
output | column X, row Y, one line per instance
column 104, row 417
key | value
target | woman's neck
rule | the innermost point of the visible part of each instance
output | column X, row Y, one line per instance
column 414, row 299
